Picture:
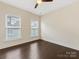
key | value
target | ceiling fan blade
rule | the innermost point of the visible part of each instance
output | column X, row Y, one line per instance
column 36, row 5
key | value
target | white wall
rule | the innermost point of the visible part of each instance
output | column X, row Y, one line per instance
column 26, row 18
column 62, row 26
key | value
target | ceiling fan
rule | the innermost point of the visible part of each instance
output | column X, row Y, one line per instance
column 41, row 1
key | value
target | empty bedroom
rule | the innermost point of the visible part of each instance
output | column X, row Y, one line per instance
column 39, row 29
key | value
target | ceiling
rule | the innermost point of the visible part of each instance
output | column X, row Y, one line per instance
column 42, row 9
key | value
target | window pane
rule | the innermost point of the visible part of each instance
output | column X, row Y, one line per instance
column 13, row 33
column 34, row 32
column 35, row 24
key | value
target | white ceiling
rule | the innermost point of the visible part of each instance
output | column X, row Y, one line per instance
column 42, row 9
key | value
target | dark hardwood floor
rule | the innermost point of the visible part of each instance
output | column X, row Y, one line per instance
column 39, row 50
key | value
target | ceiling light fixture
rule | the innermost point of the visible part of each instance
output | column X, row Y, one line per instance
column 39, row 1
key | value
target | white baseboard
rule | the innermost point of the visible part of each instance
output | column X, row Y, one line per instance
column 65, row 45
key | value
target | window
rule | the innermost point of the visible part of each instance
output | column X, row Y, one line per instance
column 13, row 27
column 34, row 28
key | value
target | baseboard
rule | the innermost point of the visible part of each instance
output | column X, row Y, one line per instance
column 21, row 44
column 60, row 44
column 30, row 42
